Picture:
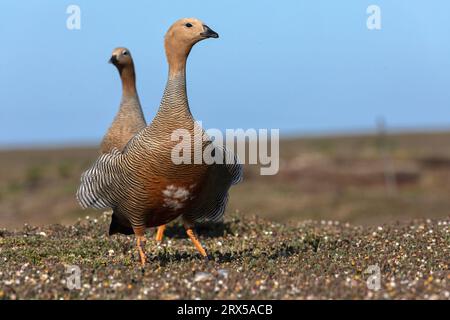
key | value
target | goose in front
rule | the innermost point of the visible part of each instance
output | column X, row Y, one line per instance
column 143, row 185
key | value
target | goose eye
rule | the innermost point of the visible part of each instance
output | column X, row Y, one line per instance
column 188, row 25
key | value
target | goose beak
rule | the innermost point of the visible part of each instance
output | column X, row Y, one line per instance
column 113, row 60
column 208, row 32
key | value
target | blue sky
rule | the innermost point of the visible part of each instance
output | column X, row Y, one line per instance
column 300, row 66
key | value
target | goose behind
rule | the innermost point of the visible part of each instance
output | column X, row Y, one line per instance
column 129, row 120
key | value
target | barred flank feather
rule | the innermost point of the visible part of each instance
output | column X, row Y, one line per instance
column 234, row 166
column 98, row 184
column 212, row 210
column 231, row 162
column 212, row 202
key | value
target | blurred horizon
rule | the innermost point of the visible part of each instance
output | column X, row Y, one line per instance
column 284, row 136
column 307, row 68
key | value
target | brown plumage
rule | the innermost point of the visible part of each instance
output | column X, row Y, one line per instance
column 143, row 185
column 129, row 120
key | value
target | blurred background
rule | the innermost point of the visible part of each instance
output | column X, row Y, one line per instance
column 363, row 112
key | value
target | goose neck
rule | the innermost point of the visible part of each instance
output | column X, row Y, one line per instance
column 128, row 77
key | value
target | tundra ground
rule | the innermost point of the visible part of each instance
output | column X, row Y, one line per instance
column 251, row 258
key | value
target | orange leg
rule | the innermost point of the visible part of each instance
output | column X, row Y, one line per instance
column 160, row 233
column 195, row 241
column 140, row 243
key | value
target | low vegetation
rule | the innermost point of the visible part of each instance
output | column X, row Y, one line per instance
column 251, row 258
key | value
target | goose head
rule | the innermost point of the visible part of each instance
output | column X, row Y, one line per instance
column 182, row 36
column 121, row 58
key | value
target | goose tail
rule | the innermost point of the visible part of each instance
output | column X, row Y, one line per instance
column 233, row 164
